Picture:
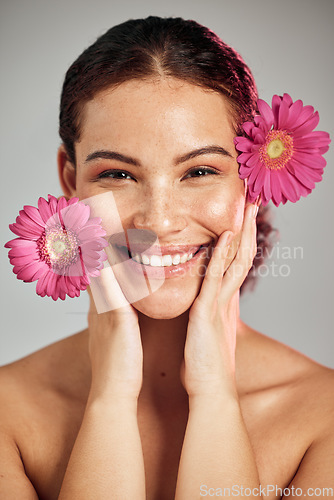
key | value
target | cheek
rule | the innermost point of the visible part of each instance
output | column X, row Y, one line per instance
column 85, row 188
column 225, row 215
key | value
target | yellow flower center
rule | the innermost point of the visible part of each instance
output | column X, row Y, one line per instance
column 59, row 248
column 277, row 149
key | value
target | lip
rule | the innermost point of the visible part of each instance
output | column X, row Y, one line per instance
column 143, row 241
column 161, row 272
column 162, row 250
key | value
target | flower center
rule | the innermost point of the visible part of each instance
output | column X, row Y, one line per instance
column 59, row 248
column 277, row 150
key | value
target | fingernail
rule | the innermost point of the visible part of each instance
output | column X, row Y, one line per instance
column 255, row 210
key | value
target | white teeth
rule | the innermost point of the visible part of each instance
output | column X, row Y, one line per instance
column 167, row 260
column 176, row 259
column 164, row 261
column 145, row 259
column 184, row 258
column 155, row 261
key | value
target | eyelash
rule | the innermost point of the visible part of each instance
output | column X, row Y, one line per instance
column 106, row 174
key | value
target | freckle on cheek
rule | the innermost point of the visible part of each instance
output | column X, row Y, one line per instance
column 232, row 215
column 215, row 210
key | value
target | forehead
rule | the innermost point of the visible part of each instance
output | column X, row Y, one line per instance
column 161, row 111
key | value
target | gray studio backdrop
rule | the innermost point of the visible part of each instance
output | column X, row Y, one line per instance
column 289, row 47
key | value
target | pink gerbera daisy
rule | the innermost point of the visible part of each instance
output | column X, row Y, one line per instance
column 59, row 245
column 282, row 155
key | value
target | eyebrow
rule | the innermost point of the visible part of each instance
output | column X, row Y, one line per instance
column 113, row 155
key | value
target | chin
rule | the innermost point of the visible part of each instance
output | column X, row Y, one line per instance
column 167, row 303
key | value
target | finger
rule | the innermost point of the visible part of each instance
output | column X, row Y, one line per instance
column 215, row 270
column 243, row 260
column 106, row 291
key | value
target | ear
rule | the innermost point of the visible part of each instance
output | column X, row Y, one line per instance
column 66, row 173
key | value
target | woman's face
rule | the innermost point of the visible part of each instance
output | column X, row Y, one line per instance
column 158, row 186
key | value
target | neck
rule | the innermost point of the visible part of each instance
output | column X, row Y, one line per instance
column 163, row 343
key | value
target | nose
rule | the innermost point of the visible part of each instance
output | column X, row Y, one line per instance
column 161, row 212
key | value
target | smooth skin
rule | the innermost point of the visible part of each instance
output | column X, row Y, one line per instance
column 158, row 398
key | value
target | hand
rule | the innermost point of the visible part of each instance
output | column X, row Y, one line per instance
column 115, row 347
column 209, row 354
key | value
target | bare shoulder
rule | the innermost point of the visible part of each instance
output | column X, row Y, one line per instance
column 51, row 371
column 42, row 400
column 268, row 365
column 287, row 403
column 303, row 393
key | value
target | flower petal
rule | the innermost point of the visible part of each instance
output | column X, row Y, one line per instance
column 266, row 186
column 258, row 185
column 254, row 173
column 28, row 271
column 34, row 214
column 51, row 284
column 314, row 174
column 44, row 209
column 307, row 142
column 305, row 115
column 275, row 187
column 322, row 137
column 266, row 112
column 308, row 126
column 275, row 104
column 301, row 175
column 259, row 139
column 311, row 160
column 283, row 115
column 287, row 99
column 24, row 232
column 53, row 203
column 76, row 216
column 243, row 144
column 248, row 128
column 243, row 157
column 72, row 201
column 288, row 188
column 75, row 269
column 244, row 172
column 62, row 203
column 19, row 243
column 25, row 220
column 323, row 149
column 22, row 260
column 253, row 160
column 261, row 126
column 42, row 284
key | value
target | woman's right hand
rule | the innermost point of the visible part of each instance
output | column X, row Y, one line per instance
column 115, row 347
column 108, row 450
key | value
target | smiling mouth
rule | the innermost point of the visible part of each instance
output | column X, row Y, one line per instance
column 167, row 260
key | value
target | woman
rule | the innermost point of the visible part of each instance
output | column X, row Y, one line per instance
column 171, row 395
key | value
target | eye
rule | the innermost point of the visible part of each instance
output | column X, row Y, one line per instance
column 202, row 172
column 114, row 174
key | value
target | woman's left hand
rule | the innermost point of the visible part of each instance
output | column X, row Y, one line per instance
column 209, row 355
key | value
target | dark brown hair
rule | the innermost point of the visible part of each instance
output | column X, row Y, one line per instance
column 153, row 47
